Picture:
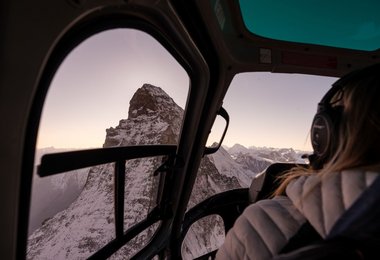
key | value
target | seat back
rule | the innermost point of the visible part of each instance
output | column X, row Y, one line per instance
column 266, row 182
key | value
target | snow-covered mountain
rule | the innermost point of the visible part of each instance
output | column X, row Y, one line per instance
column 237, row 148
column 228, row 166
column 244, row 163
column 87, row 224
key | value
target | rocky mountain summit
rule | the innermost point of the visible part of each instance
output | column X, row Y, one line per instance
column 153, row 118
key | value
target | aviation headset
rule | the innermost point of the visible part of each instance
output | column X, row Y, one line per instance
column 325, row 125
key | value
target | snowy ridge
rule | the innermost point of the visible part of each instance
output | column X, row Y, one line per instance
column 227, row 166
column 267, row 153
column 81, row 228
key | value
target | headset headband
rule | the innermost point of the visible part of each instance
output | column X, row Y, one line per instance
column 340, row 83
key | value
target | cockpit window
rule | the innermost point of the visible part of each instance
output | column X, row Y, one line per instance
column 270, row 119
column 348, row 24
column 273, row 109
column 118, row 89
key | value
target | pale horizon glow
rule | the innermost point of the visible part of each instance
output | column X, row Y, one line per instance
column 92, row 89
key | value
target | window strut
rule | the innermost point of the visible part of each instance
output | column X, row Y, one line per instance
column 119, row 189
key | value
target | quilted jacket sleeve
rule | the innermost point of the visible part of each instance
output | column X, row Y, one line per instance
column 262, row 230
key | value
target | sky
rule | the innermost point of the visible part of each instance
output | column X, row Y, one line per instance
column 272, row 109
column 92, row 89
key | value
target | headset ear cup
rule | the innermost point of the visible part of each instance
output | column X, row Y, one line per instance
column 321, row 134
column 324, row 132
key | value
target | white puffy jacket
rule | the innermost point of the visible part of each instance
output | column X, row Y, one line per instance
column 265, row 227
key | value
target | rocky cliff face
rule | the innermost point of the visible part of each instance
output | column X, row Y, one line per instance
column 153, row 118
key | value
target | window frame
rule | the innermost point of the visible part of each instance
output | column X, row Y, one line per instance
column 186, row 55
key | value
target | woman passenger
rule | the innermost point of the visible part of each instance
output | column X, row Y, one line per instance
column 339, row 174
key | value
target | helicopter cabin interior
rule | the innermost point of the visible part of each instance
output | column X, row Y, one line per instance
column 207, row 53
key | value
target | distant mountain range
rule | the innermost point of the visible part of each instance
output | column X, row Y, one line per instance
column 73, row 213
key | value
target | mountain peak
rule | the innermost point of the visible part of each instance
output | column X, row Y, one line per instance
column 238, row 148
column 153, row 118
column 149, row 99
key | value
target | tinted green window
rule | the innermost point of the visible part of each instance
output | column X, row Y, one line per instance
column 346, row 24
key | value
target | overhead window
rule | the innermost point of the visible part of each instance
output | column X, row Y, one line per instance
column 348, row 24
